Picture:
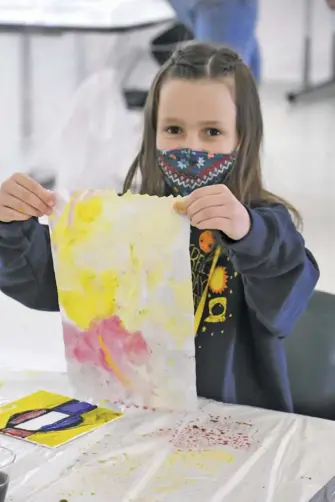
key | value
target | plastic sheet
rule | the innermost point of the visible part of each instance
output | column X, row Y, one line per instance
column 87, row 150
column 218, row 453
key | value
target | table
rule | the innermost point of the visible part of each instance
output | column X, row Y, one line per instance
column 150, row 457
column 308, row 89
column 57, row 17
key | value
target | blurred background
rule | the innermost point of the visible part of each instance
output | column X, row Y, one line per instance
column 73, row 79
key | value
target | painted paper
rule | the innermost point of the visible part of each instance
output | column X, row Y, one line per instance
column 50, row 419
column 124, row 283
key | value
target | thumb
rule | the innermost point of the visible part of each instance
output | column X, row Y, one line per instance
column 180, row 205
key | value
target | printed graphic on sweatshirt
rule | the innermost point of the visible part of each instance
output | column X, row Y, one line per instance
column 213, row 279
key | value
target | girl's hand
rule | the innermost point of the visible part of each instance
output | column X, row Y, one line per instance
column 22, row 198
column 216, row 208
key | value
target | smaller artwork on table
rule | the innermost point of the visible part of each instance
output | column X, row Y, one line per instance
column 51, row 420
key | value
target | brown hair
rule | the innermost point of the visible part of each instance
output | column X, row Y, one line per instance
column 198, row 61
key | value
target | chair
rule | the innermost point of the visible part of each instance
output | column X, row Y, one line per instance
column 311, row 358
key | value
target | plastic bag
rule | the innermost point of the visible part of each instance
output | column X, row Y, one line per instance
column 125, row 291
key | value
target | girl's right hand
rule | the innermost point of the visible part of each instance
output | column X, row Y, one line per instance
column 22, row 198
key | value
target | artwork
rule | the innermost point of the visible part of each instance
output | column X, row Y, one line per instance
column 50, row 419
column 124, row 283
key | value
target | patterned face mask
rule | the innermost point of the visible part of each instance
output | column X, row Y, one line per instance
column 185, row 170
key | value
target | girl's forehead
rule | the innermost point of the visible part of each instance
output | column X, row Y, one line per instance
column 200, row 100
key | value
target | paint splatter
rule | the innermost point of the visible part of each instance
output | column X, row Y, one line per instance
column 216, row 431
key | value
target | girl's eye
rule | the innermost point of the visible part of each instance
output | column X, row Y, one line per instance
column 213, row 132
column 173, row 130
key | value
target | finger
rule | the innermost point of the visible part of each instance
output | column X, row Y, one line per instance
column 7, row 215
column 206, row 191
column 205, row 202
column 35, row 188
column 213, row 224
column 11, row 202
column 209, row 213
column 26, row 196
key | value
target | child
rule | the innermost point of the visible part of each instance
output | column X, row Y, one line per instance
column 252, row 276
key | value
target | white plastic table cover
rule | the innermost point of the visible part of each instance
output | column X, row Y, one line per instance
column 99, row 14
column 147, row 457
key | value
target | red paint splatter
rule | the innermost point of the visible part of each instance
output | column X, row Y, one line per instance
column 211, row 433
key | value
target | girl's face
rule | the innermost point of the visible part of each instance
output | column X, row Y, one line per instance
column 200, row 115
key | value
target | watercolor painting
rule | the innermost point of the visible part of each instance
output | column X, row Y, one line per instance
column 51, row 420
column 124, row 282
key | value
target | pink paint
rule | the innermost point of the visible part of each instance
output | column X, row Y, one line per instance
column 126, row 349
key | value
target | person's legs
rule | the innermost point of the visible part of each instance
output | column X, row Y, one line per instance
column 183, row 10
column 256, row 61
column 229, row 22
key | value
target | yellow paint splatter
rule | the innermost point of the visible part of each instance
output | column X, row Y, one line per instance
column 93, row 300
column 178, row 464
column 154, row 277
column 111, row 363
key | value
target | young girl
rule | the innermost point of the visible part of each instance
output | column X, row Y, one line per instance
column 252, row 276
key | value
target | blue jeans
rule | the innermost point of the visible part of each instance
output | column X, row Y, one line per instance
column 228, row 22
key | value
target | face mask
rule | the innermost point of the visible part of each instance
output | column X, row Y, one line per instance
column 186, row 170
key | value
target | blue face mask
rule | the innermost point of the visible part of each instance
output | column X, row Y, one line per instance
column 185, row 170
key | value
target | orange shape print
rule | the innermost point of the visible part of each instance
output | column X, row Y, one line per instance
column 206, row 241
column 219, row 280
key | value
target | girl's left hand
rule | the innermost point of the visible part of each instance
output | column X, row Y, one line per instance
column 216, row 208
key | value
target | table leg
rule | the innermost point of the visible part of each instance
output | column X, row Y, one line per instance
column 80, row 57
column 307, row 89
column 25, row 101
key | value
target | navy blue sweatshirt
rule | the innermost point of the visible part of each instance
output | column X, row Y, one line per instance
column 253, row 296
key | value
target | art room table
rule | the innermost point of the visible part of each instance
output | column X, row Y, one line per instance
column 218, row 453
column 78, row 17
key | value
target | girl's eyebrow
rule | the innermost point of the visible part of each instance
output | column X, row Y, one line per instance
column 172, row 120
column 212, row 123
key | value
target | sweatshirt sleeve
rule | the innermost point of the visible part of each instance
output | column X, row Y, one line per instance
column 279, row 274
column 26, row 266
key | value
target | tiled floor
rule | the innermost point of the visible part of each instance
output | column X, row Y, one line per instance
column 299, row 164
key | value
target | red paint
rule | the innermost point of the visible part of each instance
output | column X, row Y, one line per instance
column 213, row 432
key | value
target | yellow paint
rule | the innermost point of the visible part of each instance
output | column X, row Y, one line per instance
column 47, row 400
column 202, row 459
column 88, row 210
column 185, row 467
column 94, row 299
column 182, row 298
column 111, row 363
column 154, row 277
column 134, row 260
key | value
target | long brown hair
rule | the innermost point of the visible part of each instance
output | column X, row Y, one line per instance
column 196, row 61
